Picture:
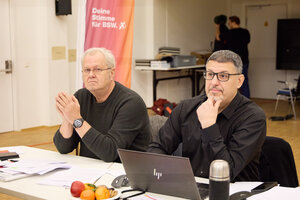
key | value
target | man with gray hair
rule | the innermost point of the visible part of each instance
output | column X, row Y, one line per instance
column 104, row 115
column 222, row 124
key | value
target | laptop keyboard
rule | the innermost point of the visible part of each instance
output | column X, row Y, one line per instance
column 203, row 190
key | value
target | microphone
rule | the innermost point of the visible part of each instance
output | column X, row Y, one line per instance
column 219, row 180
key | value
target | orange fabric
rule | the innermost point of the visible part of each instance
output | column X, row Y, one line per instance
column 109, row 24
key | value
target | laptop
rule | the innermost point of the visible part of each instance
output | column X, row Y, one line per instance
column 162, row 174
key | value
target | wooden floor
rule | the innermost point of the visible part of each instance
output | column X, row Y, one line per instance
column 41, row 137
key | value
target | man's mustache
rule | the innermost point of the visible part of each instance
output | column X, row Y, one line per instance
column 215, row 88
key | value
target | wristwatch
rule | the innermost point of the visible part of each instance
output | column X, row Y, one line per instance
column 78, row 123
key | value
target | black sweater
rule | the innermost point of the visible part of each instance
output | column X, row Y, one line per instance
column 120, row 122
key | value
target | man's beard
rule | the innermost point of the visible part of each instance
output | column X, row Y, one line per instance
column 215, row 97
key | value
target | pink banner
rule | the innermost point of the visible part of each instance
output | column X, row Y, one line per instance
column 109, row 24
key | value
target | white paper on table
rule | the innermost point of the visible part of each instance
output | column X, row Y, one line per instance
column 23, row 168
column 116, row 173
column 9, row 171
column 34, row 166
column 66, row 177
column 278, row 193
column 4, row 162
column 242, row 186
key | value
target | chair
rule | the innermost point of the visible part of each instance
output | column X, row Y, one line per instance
column 77, row 150
column 277, row 163
column 290, row 93
column 156, row 122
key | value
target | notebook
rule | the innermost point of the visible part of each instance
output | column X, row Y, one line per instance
column 162, row 174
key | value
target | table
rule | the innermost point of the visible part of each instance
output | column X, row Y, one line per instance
column 27, row 188
column 195, row 74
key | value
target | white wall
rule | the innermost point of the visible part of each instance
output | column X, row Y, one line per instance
column 72, row 38
column 186, row 24
column 143, row 47
column 36, row 29
column 58, row 69
column 31, row 62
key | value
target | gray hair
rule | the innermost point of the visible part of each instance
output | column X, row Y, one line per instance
column 224, row 56
column 109, row 57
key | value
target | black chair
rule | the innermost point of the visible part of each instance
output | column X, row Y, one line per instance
column 289, row 93
column 156, row 122
column 277, row 163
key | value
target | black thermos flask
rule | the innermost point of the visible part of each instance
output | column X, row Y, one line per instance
column 219, row 179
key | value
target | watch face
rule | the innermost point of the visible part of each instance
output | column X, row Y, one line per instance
column 77, row 123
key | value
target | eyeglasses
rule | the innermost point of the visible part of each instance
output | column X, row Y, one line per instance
column 87, row 71
column 222, row 76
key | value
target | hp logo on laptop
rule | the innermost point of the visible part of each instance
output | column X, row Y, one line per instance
column 157, row 174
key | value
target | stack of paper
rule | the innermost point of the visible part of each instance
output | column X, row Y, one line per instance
column 160, row 64
column 169, row 50
column 143, row 62
column 15, row 170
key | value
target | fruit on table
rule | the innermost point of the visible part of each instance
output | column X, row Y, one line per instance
column 76, row 188
column 87, row 195
column 89, row 191
column 89, row 186
column 102, row 192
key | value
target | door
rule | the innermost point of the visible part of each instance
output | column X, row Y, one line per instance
column 6, row 94
column 262, row 25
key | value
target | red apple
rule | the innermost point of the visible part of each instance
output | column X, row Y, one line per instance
column 76, row 188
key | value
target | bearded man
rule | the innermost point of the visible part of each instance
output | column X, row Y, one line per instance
column 221, row 124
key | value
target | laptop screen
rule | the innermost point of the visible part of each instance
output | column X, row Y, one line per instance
column 162, row 174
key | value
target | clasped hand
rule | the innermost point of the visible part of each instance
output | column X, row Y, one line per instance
column 68, row 107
